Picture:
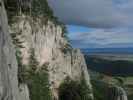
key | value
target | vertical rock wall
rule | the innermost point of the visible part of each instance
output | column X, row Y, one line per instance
column 51, row 49
column 50, row 46
column 117, row 93
column 9, row 88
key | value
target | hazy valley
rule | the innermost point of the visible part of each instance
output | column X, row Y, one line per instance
column 108, row 69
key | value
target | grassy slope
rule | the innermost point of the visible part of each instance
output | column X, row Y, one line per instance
column 100, row 84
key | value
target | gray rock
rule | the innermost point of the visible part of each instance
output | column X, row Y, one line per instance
column 9, row 89
column 51, row 49
column 117, row 93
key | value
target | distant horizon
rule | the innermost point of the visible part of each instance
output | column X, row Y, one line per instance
column 107, row 47
column 96, row 23
column 107, row 50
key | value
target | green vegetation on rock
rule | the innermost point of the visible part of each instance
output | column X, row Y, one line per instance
column 37, row 80
column 35, row 9
column 21, row 67
column 73, row 90
column 39, row 86
column 99, row 90
column 40, row 7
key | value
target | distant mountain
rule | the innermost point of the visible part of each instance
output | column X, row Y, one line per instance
column 107, row 50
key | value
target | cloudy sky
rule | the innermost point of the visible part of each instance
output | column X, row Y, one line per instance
column 96, row 23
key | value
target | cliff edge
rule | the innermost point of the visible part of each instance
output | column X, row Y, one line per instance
column 39, row 58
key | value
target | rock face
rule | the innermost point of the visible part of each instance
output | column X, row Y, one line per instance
column 117, row 93
column 9, row 89
column 51, row 49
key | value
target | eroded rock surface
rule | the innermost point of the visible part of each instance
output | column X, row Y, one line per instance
column 51, row 49
column 9, row 88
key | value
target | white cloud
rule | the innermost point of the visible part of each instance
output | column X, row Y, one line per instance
column 102, row 38
column 111, row 20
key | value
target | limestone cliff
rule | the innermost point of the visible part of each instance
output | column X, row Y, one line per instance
column 34, row 34
column 9, row 89
column 117, row 93
column 50, row 49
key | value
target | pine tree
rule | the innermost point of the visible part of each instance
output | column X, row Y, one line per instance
column 41, row 8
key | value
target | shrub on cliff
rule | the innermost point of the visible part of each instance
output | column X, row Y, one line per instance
column 39, row 86
column 99, row 90
column 72, row 90
column 40, row 7
column 37, row 80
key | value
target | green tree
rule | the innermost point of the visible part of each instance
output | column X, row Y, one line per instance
column 41, row 8
column 73, row 90
column 37, row 80
column 39, row 86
